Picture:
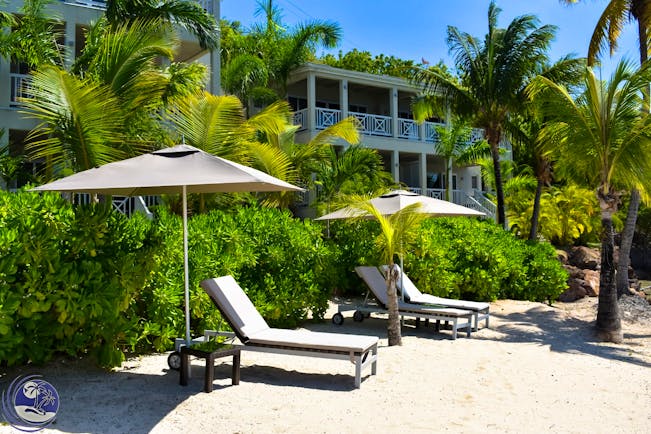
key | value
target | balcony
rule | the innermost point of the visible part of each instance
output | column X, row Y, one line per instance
column 19, row 88
column 372, row 124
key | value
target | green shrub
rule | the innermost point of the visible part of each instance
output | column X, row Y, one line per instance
column 67, row 275
column 458, row 258
column 86, row 280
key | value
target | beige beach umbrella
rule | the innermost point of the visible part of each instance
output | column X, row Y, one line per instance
column 396, row 200
column 180, row 170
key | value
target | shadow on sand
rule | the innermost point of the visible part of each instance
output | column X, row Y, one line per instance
column 545, row 326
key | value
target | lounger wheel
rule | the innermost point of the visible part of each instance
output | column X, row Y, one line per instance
column 358, row 316
column 338, row 319
column 174, row 361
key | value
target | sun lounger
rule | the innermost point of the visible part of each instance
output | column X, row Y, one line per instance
column 458, row 318
column 413, row 295
column 252, row 330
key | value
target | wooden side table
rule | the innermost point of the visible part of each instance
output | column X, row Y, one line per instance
column 209, row 351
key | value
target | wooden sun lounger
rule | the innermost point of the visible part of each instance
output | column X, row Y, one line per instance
column 413, row 295
column 256, row 335
column 458, row 318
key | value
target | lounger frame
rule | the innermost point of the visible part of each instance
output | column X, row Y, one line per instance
column 458, row 318
column 361, row 359
column 480, row 314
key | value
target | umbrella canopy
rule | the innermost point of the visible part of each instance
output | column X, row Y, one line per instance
column 181, row 170
column 392, row 202
column 166, row 172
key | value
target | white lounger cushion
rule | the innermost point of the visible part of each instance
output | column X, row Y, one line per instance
column 313, row 340
column 237, row 306
column 376, row 282
column 413, row 295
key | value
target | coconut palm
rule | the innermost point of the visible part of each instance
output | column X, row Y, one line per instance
column 525, row 130
column 494, row 74
column 606, row 35
column 397, row 232
column 601, row 138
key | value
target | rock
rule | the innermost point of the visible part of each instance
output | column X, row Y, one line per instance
column 591, row 279
column 562, row 256
column 576, row 290
column 574, row 271
column 584, row 257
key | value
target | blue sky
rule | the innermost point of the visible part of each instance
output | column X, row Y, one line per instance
column 416, row 29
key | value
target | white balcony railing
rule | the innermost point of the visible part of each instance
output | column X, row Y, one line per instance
column 327, row 117
column 19, row 88
column 430, row 131
column 300, row 119
column 407, row 129
column 374, row 125
column 99, row 4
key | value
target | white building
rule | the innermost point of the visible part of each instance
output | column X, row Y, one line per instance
column 321, row 96
column 75, row 16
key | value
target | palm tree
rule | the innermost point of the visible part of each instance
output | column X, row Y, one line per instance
column 188, row 14
column 601, row 137
column 453, row 144
column 606, row 35
column 265, row 57
column 80, row 122
column 494, row 74
column 397, row 232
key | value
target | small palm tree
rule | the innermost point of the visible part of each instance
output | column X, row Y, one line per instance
column 454, row 145
column 398, row 231
column 601, row 138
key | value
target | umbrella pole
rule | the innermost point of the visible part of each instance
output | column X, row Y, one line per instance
column 186, row 277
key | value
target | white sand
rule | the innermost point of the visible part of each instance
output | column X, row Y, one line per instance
column 536, row 369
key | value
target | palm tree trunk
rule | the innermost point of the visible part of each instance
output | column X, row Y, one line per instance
column 494, row 141
column 393, row 328
column 609, row 324
column 535, row 215
column 626, row 244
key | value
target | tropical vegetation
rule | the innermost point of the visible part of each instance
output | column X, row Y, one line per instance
column 601, row 139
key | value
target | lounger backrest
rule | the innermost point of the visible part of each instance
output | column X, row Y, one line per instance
column 410, row 290
column 375, row 281
column 236, row 306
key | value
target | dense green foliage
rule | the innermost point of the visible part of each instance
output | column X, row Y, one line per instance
column 85, row 280
column 364, row 61
column 67, row 276
column 464, row 258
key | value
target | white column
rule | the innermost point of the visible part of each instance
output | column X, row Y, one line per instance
column 422, row 166
column 215, row 58
column 71, row 40
column 311, row 102
column 343, row 98
column 395, row 165
column 394, row 111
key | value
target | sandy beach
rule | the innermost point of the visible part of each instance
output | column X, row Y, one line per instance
column 537, row 368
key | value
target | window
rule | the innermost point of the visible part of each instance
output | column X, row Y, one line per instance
column 356, row 108
column 474, row 181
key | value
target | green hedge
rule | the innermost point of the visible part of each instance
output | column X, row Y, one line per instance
column 67, row 276
column 86, row 280
column 460, row 258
